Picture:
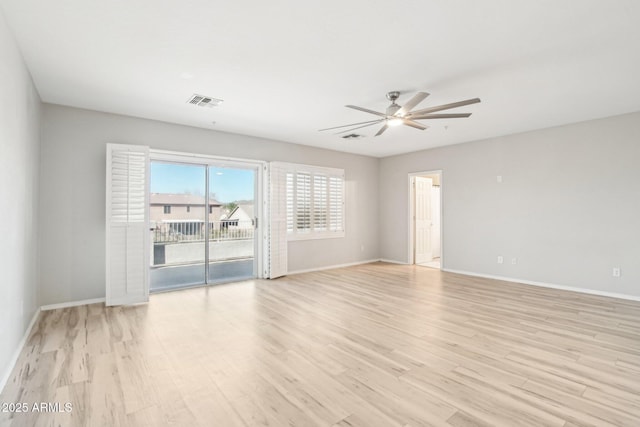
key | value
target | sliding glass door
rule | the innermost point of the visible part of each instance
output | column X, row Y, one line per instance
column 202, row 224
column 232, row 234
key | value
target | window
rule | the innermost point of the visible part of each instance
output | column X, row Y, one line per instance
column 188, row 208
column 314, row 202
column 167, row 209
column 210, row 209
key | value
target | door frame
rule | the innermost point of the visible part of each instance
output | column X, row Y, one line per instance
column 209, row 160
column 411, row 179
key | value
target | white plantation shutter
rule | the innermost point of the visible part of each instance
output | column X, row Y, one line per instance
column 336, row 203
column 279, row 181
column 127, row 234
column 320, row 200
column 303, row 202
column 314, row 201
column 290, row 194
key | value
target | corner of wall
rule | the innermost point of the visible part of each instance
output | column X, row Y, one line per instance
column 19, row 166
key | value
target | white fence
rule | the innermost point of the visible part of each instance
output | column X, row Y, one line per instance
column 178, row 231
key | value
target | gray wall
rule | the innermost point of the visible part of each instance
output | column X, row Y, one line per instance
column 568, row 208
column 73, row 193
column 19, row 163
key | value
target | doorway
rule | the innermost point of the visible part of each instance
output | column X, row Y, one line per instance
column 425, row 219
column 203, row 223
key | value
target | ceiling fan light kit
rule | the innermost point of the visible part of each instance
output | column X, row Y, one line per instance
column 396, row 115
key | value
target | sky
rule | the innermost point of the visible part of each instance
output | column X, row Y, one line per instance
column 227, row 184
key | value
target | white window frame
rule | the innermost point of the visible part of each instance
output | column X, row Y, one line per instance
column 293, row 233
column 211, row 160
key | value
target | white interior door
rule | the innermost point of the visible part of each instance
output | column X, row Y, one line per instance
column 127, row 222
column 422, row 215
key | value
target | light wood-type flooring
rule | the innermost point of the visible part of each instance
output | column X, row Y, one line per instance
column 372, row 345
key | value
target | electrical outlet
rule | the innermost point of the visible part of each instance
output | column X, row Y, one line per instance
column 514, row 261
column 499, row 179
column 616, row 271
column 500, row 259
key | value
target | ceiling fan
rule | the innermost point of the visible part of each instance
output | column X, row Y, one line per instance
column 403, row 115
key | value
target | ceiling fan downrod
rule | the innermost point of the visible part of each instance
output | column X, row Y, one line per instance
column 393, row 108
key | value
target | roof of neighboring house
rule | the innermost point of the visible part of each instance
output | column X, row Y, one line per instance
column 247, row 208
column 180, row 200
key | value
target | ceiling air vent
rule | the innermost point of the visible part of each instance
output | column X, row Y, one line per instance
column 204, row 101
column 353, row 136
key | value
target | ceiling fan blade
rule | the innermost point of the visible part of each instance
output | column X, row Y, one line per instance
column 439, row 116
column 382, row 129
column 366, row 110
column 352, row 124
column 414, row 124
column 359, row 127
column 445, row 107
column 408, row 106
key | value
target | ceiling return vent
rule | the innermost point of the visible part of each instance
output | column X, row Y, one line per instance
column 353, row 136
column 204, row 101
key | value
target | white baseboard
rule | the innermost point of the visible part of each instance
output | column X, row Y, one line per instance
column 71, row 304
column 547, row 285
column 331, row 267
column 16, row 353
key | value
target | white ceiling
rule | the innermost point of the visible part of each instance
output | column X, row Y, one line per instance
column 286, row 68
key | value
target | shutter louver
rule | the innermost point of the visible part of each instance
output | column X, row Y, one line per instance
column 290, row 195
column 336, row 204
column 128, row 186
column 320, row 203
column 303, row 202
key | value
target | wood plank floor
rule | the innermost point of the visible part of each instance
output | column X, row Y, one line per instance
column 371, row 345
